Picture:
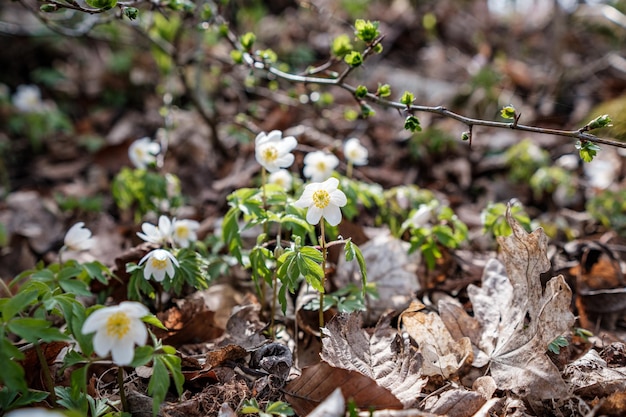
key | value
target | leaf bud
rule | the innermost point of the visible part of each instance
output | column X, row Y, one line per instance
column 361, row 91
column 247, row 40
column 102, row 4
column 465, row 135
column 48, row 8
column 236, row 56
column 354, row 59
column 131, row 13
column 407, row 98
column 412, row 124
column 508, row 112
column 600, row 121
column 384, row 90
column 366, row 30
column 341, row 46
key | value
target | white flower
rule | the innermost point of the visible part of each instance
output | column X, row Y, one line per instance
column 355, row 152
column 273, row 151
column 282, row 177
column 184, row 232
column 157, row 234
column 421, row 217
column 78, row 238
column 318, row 165
column 159, row 262
column 34, row 412
column 143, row 152
column 118, row 329
column 323, row 199
column 27, row 99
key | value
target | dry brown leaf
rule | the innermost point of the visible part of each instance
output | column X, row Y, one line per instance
column 590, row 376
column 317, row 382
column 518, row 318
column 457, row 402
column 378, row 354
column 191, row 322
column 442, row 354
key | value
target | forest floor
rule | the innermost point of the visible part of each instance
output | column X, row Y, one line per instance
column 467, row 337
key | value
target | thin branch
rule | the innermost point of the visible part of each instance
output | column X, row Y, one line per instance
column 580, row 134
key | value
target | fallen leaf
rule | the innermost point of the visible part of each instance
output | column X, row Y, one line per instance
column 190, row 322
column 518, row 319
column 442, row 354
column 333, row 406
column 590, row 376
column 317, row 382
column 379, row 354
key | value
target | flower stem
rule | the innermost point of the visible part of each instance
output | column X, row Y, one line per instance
column 45, row 370
column 323, row 246
column 120, row 383
column 349, row 169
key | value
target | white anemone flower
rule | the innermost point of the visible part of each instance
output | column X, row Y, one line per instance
column 118, row 329
column 184, row 232
column 35, row 412
column 273, row 151
column 282, row 177
column 355, row 152
column 421, row 217
column 323, row 199
column 319, row 165
column 78, row 238
column 159, row 234
column 27, row 99
column 159, row 263
column 143, row 152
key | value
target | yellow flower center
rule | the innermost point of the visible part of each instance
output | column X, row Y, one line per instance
column 321, row 166
column 182, row 232
column 270, row 153
column 321, row 199
column 158, row 263
column 118, row 325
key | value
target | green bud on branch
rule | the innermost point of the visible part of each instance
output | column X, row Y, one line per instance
column 600, row 121
column 267, row 55
column 236, row 56
column 465, row 135
column 341, row 46
column 102, row 4
column 587, row 150
column 48, row 8
column 354, row 59
column 367, row 111
column 412, row 124
column 361, row 91
column 366, row 30
column 247, row 40
column 131, row 13
column 508, row 112
column 407, row 98
column 384, row 90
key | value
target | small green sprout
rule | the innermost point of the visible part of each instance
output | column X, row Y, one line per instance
column 407, row 98
column 247, row 40
column 556, row 345
column 600, row 121
column 465, row 135
column 361, row 91
column 587, row 150
column 102, row 4
column 354, row 59
column 412, row 124
column 366, row 30
column 384, row 90
column 341, row 46
column 508, row 112
column 131, row 13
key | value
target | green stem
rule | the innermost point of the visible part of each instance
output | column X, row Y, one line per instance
column 274, row 298
column 45, row 370
column 120, row 383
column 323, row 246
column 349, row 170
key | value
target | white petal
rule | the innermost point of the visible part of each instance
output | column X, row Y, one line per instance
column 332, row 214
column 338, row 198
column 285, row 161
column 96, row 320
column 158, row 275
column 123, row 351
column 169, row 270
column 148, row 255
column 289, row 143
column 313, row 215
column 102, row 343
column 134, row 309
column 138, row 333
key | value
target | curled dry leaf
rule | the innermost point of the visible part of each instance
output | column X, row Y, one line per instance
column 442, row 354
column 517, row 318
column 379, row 354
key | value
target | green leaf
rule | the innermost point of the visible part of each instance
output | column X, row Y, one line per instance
column 73, row 286
column 173, row 363
column 366, row 30
column 587, row 150
column 153, row 320
column 102, row 4
column 34, row 330
column 159, row 383
column 143, row 355
column 18, row 302
column 341, row 46
column 508, row 112
column 407, row 98
column 279, row 408
column 12, row 374
column 354, row 59
column 599, row 122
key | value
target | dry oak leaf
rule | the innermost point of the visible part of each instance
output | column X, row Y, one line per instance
column 441, row 353
column 379, row 354
column 517, row 318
